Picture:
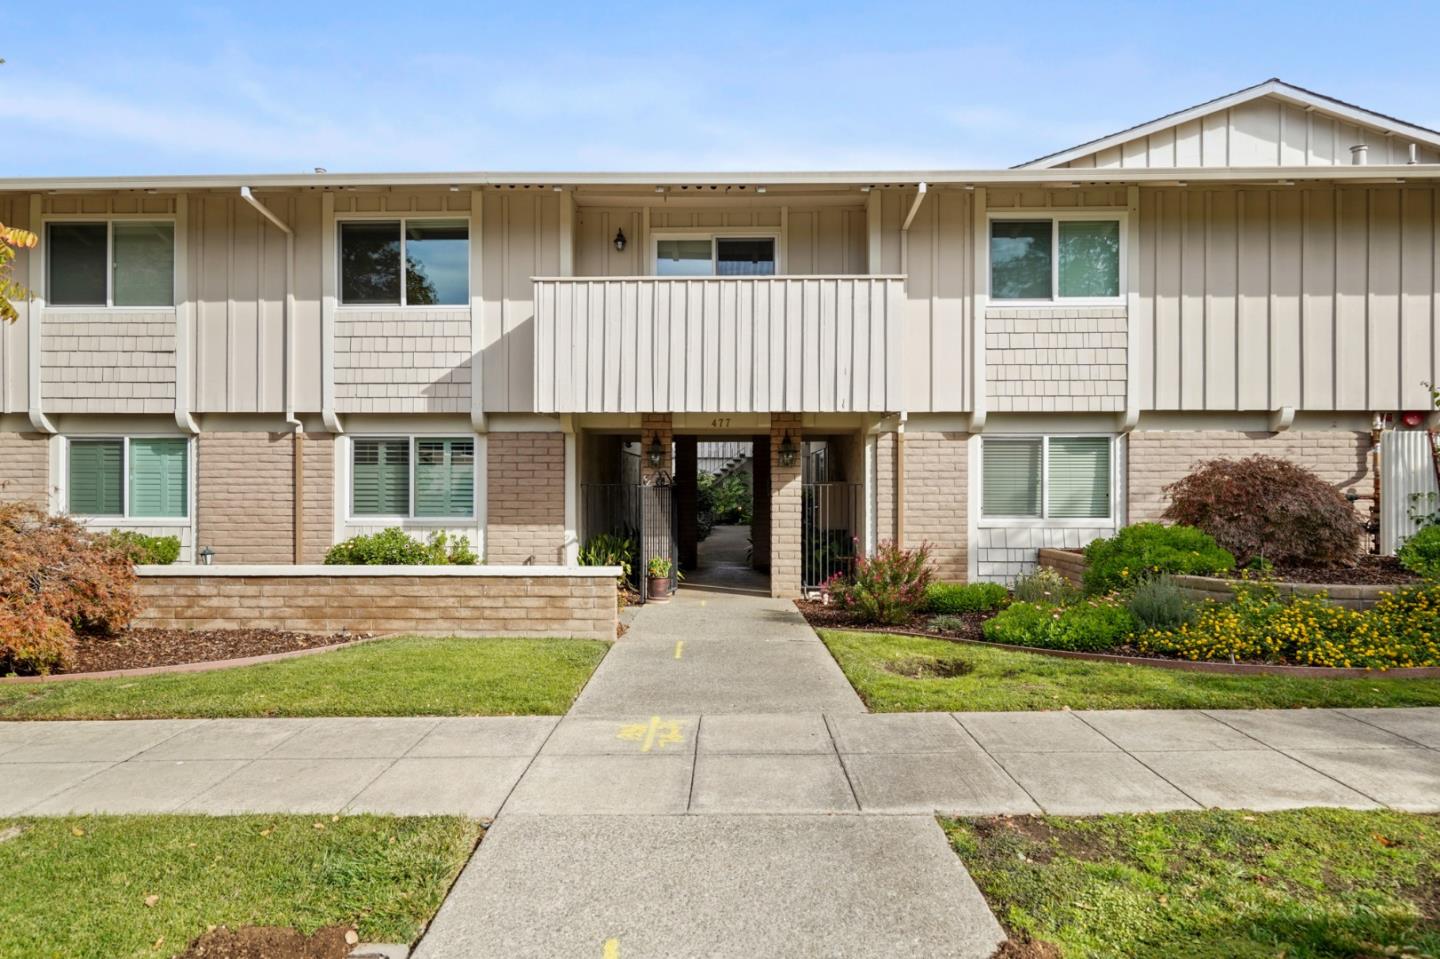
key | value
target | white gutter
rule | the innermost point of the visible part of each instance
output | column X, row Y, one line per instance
column 283, row 227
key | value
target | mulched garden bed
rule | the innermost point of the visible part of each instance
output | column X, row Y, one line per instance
column 271, row 942
column 822, row 616
column 136, row 648
column 1370, row 571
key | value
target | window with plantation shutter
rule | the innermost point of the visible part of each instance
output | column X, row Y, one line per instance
column 95, row 487
column 158, row 477
column 1079, row 477
column 1011, row 477
column 380, row 477
column 444, row 477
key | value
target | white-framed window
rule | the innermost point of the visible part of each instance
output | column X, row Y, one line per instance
column 404, row 261
column 1072, row 257
column 118, row 261
column 412, row 477
column 1037, row 479
column 128, row 477
column 749, row 253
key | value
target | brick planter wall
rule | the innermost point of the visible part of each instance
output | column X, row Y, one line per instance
column 443, row 601
column 1071, row 565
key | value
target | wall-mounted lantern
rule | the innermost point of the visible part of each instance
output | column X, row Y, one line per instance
column 207, row 556
column 620, row 241
column 656, row 452
column 788, row 452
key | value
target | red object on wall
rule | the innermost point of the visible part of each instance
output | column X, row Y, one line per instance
column 1412, row 418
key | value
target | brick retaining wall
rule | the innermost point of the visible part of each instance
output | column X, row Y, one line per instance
column 1071, row 565
column 449, row 600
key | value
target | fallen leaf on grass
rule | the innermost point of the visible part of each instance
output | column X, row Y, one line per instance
column 319, row 825
column 151, row 900
column 1385, row 840
column 77, row 831
column 351, row 937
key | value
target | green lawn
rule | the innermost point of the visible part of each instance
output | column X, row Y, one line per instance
column 1213, row 885
column 999, row 679
column 409, row 676
column 77, row 887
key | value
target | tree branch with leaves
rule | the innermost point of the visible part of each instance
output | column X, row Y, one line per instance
column 12, row 241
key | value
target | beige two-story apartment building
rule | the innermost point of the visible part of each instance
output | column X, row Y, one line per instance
column 985, row 360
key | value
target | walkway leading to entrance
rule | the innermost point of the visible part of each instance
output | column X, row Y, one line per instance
column 712, row 650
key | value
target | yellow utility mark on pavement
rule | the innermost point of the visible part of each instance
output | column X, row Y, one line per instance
column 679, row 647
column 612, row 949
column 656, row 734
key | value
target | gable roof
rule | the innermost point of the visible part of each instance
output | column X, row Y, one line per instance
column 1274, row 87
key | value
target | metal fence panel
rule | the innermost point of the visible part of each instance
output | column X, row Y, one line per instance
column 832, row 517
column 643, row 515
column 1407, row 484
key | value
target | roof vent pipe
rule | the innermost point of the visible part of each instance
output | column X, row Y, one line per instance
column 1414, row 157
column 1358, row 153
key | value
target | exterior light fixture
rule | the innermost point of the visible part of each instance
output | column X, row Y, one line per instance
column 207, row 556
column 656, row 451
column 620, row 240
column 788, row 451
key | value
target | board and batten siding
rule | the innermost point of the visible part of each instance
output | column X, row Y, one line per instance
column 727, row 344
column 1317, row 298
column 1262, row 132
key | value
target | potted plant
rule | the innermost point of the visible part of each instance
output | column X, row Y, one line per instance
column 658, row 575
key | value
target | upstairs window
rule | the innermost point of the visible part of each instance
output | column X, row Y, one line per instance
column 715, row 256
column 130, row 477
column 405, row 262
column 112, row 263
column 1047, row 259
column 1046, row 477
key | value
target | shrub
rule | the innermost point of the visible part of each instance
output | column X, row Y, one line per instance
column 1046, row 586
column 1096, row 625
column 950, row 624
column 395, row 547
column 1421, row 553
column 887, row 587
column 57, row 578
column 953, row 599
column 610, row 549
column 1400, row 630
column 146, row 550
column 1266, row 506
column 1148, row 548
column 1157, row 602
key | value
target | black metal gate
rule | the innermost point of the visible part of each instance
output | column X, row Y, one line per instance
column 641, row 516
column 831, row 521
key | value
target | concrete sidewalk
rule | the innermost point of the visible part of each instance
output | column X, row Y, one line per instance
column 1072, row 763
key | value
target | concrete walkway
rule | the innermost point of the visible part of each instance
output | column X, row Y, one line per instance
column 1068, row 763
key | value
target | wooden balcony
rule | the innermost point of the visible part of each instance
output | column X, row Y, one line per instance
column 812, row 344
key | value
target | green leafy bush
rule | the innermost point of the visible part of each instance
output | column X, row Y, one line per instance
column 610, row 549
column 950, row 624
column 1148, row 548
column 146, row 550
column 953, row 599
column 1267, row 506
column 728, row 501
column 1096, row 625
column 887, row 587
column 1421, row 553
column 1045, row 586
column 395, row 547
column 1157, row 602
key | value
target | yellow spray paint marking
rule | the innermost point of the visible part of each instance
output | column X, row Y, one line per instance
column 656, row 734
column 679, row 646
column 612, row 949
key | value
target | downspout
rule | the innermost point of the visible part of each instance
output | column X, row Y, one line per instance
column 920, row 191
column 297, row 428
column 34, row 310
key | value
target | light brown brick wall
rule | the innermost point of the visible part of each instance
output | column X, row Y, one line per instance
column 785, row 495
column 656, row 426
column 576, row 606
column 318, row 498
column 936, row 485
column 1160, row 457
column 24, row 468
column 885, row 525
column 245, row 496
column 526, row 482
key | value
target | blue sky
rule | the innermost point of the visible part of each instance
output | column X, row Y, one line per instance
column 435, row 85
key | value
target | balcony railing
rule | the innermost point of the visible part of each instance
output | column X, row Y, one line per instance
column 718, row 344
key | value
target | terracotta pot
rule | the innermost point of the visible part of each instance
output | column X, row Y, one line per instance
column 659, row 591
